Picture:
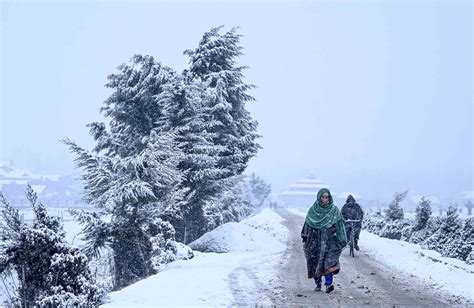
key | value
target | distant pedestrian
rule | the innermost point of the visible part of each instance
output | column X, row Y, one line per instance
column 352, row 211
column 324, row 236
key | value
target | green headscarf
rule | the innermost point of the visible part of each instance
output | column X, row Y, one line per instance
column 324, row 216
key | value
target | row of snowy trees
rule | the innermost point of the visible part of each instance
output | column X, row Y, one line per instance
column 168, row 165
column 449, row 235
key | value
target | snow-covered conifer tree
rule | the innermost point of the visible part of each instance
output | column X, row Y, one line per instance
column 50, row 272
column 423, row 213
column 395, row 211
column 132, row 192
column 138, row 177
column 186, row 115
column 132, row 107
column 214, row 62
column 260, row 190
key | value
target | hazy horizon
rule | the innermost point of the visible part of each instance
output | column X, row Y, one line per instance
column 372, row 97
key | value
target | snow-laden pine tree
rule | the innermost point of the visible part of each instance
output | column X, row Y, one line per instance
column 214, row 63
column 211, row 138
column 260, row 190
column 423, row 213
column 132, row 193
column 454, row 235
column 186, row 114
column 451, row 223
column 233, row 205
column 448, row 239
column 395, row 211
column 50, row 272
column 132, row 107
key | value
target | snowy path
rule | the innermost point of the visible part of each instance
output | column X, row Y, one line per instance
column 361, row 281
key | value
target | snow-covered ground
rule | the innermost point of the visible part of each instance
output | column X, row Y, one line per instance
column 208, row 278
column 448, row 274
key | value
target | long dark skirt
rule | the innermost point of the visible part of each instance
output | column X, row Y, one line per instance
column 322, row 251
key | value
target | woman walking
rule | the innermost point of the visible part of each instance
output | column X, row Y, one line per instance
column 324, row 236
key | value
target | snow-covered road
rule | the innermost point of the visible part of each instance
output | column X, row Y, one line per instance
column 261, row 262
column 362, row 280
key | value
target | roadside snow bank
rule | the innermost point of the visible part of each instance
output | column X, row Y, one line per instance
column 257, row 233
column 448, row 274
column 255, row 248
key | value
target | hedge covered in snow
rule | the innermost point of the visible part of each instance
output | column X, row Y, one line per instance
column 449, row 235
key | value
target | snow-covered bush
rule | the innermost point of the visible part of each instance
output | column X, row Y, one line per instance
column 421, row 235
column 455, row 238
column 50, row 272
column 448, row 235
column 163, row 245
column 381, row 226
column 396, row 230
column 373, row 223
column 183, row 252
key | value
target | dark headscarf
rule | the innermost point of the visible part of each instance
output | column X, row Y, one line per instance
column 350, row 199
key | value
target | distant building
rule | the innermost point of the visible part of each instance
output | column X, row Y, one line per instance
column 53, row 190
column 303, row 193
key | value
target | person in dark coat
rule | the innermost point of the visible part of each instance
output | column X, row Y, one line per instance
column 323, row 236
column 352, row 210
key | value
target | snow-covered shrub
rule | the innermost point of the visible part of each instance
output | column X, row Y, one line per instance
column 463, row 243
column 453, row 238
column 184, row 252
column 50, row 272
column 396, row 230
column 163, row 245
column 448, row 235
column 373, row 223
column 419, row 236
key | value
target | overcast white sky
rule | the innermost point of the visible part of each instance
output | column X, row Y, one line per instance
column 370, row 96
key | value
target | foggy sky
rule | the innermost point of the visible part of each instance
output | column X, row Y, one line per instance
column 372, row 97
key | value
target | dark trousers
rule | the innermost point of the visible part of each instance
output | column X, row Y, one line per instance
column 356, row 232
